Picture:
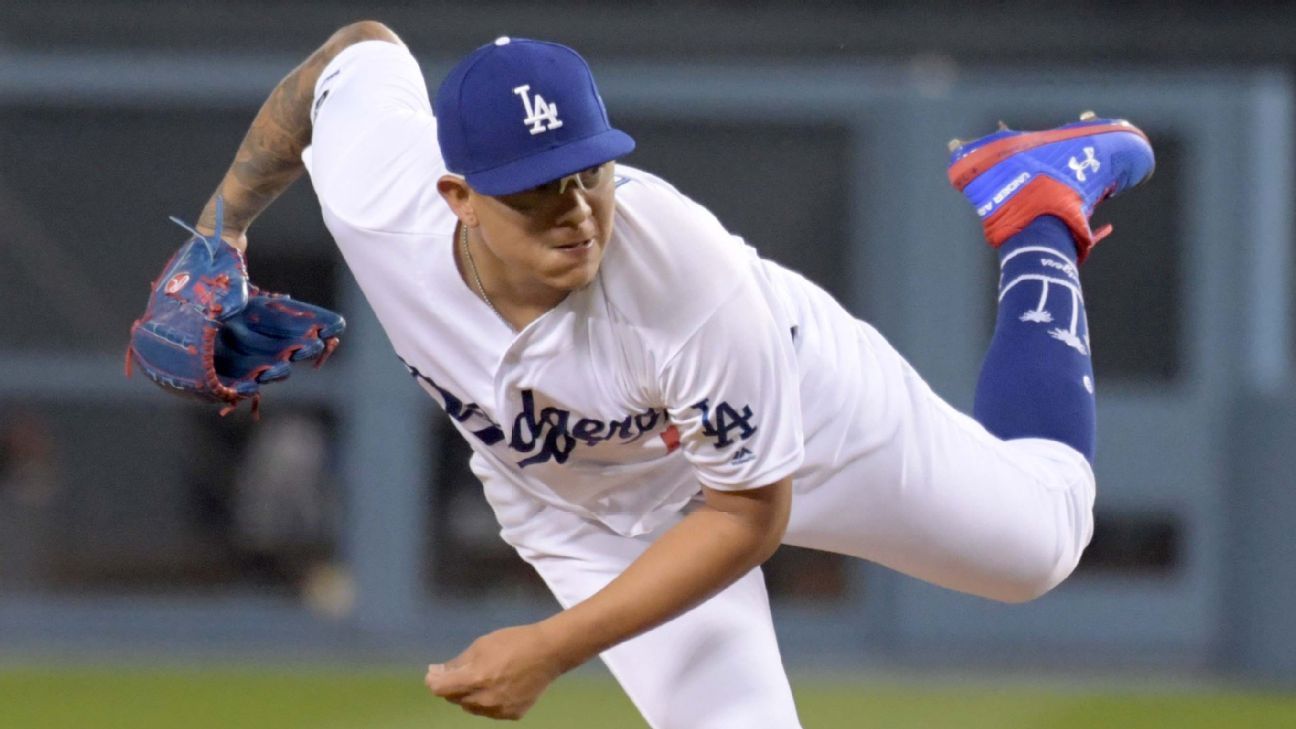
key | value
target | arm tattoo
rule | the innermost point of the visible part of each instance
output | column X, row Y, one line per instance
column 269, row 159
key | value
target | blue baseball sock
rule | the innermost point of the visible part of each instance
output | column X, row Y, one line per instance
column 1037, row 378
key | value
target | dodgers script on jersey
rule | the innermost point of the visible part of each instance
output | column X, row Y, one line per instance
column 610, row 405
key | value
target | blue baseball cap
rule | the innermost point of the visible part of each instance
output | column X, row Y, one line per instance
column 518, row 113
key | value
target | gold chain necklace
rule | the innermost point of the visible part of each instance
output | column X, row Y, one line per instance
column 472, row 266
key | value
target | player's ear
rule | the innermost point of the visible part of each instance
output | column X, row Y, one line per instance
column 455, row 191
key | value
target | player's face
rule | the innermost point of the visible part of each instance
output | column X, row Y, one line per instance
column 554, row 233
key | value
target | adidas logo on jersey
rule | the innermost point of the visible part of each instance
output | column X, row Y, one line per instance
column 742, row 456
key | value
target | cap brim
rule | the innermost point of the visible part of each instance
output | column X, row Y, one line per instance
column 551, row 164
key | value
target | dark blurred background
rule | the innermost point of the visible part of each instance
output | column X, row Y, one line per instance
column 346, row 521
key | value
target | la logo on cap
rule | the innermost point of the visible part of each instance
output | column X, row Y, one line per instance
column 541, row 112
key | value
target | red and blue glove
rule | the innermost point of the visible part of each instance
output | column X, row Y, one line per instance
column 210, row 334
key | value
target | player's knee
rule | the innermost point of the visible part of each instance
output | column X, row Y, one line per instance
column 1048, row 556
column 1033, row 581
column 1035, row 571
column 1026, row 590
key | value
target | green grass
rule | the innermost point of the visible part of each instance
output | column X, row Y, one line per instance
column 1007, row 705
column 314, row 698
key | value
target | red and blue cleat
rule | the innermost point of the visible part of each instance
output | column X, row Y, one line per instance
column 1013, row 177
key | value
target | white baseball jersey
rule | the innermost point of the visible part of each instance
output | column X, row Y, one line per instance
column 675, row 367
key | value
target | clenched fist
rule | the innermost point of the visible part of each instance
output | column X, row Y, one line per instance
column 501, row 675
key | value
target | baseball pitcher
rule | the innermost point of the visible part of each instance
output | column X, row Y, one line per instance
column 652, row 407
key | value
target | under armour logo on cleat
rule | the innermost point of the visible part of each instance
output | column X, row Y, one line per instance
column 541, row 111
column 1079, row 166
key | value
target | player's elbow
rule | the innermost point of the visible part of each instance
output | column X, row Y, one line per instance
column 762, row 513
column 771, row 540
column 362, row 30
column 774, row 521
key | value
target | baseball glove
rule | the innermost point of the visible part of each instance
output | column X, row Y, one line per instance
column 208, row 333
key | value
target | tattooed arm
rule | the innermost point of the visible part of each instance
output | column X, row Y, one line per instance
column 269, row 159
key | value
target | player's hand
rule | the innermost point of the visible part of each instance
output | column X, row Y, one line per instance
column 501, row 675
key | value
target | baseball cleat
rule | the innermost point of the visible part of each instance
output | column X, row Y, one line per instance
column 1013, row 177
